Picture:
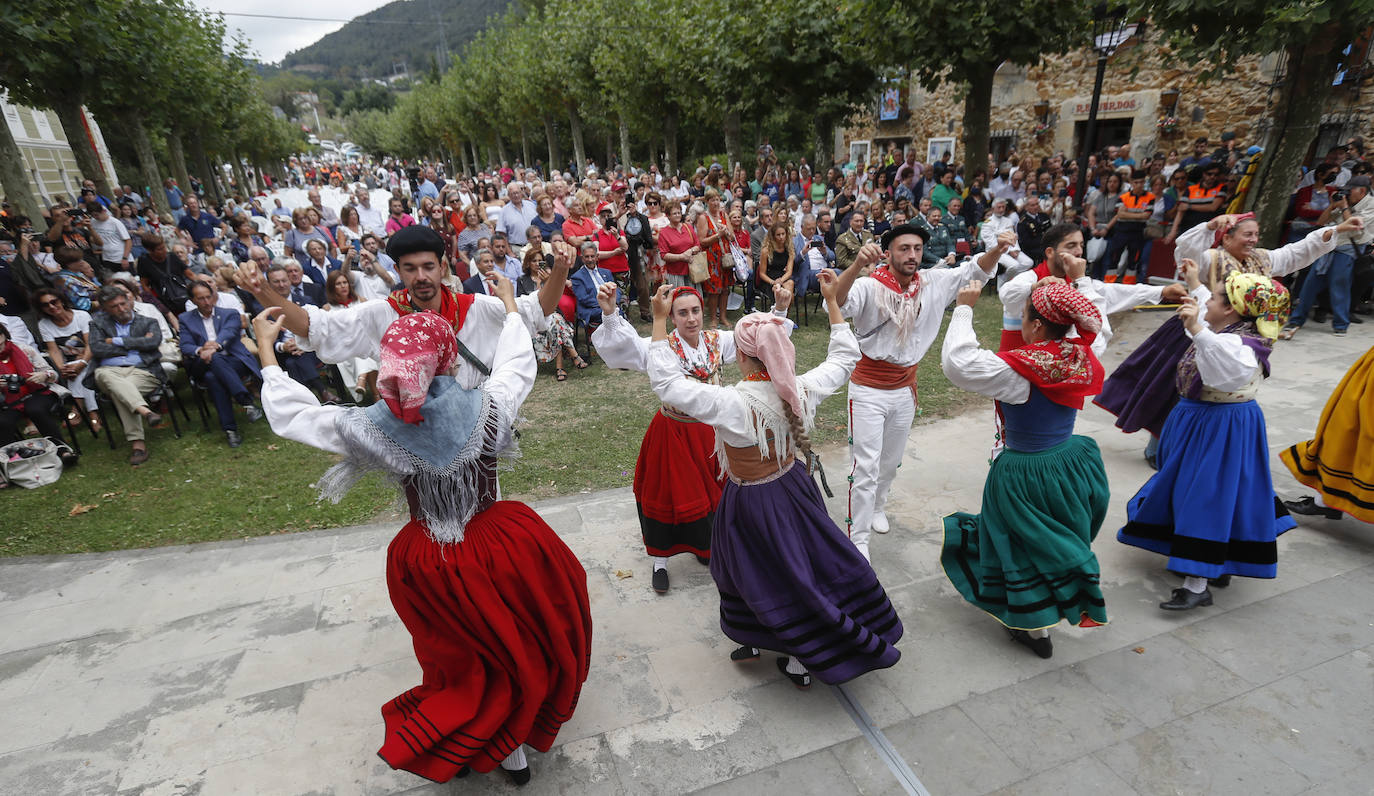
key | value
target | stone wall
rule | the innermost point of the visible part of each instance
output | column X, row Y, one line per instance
column 1131, row 90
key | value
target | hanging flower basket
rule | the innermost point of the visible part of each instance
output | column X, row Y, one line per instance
column 1169, row 125
column 1040, row 130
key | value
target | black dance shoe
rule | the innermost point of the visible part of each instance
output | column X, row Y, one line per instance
column 1221, row 582
column 661, row 581
column 1040, row 646
column 519, row 777
column 801, row 681
column 1309, row 508
column 1184, row 600
column 745, row 654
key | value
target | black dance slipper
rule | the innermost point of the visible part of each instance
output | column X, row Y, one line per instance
column 745, row 654
column 520, row 777
column 801, row 681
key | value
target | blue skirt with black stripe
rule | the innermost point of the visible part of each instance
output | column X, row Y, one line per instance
column 790, row 580
column 1211, row 507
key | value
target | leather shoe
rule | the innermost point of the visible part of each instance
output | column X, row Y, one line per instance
column 661, row 581
column 520, row 776
column 801, row 681
column 1221, row 582
column 1184, row 600
column 153, row 419
column 1356, row 319
column 254, row 414
column 1040, row 646
column 1309, row 508
column 234, row 439
column 745, row 654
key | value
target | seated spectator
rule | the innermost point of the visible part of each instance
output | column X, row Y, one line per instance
column 957, row 226
column 847, row 245
column 26, row 395
column 64, row 333
column 551, row 344
column 585, row 283
column 939, row 249
column 124, row 346
column 302, row 292
column 246, row 237
column 366, row 276
column 165, row 273
column 812, row 255
column 213, row 353
column 319, row 261
column 360, row 372
column 302, row 231
column 484, row 262
column 75, row 277
column 299, row 364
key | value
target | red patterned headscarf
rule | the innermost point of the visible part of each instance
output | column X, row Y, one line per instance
column 763, row 336
column 415, row 348
column 1066, row 371
column 1235, row 222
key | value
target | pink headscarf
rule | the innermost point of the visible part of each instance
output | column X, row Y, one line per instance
column 763, row 336
column 415, row 348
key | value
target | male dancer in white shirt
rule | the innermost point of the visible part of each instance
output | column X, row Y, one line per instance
column 896, row 311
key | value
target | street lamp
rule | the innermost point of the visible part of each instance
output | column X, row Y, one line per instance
column 1110, row 29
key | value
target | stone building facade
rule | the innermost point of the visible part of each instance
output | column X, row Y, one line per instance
column 48, row 158
column 1042, row 110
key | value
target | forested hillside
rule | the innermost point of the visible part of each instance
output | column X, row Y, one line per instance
column 406, row 30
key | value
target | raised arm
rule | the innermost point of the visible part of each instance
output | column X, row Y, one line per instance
column 616, row 339
column 1306, row 250
column 514, row 366
column 841, row 355
column 552, row 288
column 251, row 279
column 972, row 368
column 292, row 410
column 869, row 254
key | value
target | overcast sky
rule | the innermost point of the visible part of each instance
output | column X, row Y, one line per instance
column 272, row 39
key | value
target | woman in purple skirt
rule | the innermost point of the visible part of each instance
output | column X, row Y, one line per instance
column 1141, row 391
column 789, row 579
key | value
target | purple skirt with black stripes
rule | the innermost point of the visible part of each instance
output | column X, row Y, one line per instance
column 790, row 580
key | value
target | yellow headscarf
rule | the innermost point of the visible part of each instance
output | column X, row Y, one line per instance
column 1260, row 297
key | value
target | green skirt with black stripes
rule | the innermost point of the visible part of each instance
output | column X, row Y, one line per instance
column 1027, row 559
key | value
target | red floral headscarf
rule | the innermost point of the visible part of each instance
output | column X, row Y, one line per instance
column 415, row 348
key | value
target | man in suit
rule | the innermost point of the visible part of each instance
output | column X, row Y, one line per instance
column 586, row 281
column 847, row 245
column 214, row 353
column 301, row 292
column 299, row 364
column 124, row 346
column 483, row 261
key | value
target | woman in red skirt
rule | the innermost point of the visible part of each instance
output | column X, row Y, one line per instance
column 495, row 602
column 677, row 477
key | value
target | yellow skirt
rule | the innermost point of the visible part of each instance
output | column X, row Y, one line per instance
column 1339, row 461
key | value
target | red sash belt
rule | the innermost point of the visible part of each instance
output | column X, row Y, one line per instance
column 883, row 375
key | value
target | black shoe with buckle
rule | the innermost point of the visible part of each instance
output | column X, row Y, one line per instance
column 1040, row 646
column 1309, row 508
column 801, row 681
column 1184, row 600
column 661, row 581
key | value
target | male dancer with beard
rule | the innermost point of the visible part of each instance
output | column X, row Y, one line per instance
column 356, row 331
column 897, row 313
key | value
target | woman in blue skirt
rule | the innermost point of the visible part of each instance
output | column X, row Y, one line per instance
column 788, row 577
column 1027, row 558
column 1211, row 507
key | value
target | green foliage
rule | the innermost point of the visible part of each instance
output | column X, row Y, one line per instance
column 405, row 31
column 369, row 96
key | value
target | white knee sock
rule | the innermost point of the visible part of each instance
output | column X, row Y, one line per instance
column 1318, row 500
column 1194, row 584
column 516, row 761
column 794, row 666
column 1043, row 632
column 660, row 562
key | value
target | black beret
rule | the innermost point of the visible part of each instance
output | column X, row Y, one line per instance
column 412, row 239
column 905, row 229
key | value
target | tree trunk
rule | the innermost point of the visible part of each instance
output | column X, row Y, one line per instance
column 579, row 146
column 240, row 176
column 732, row 144
column 624, row 142
column 203, row 164
column 16, row 183
column 178, row 154
column 463, row 153
column 501, row 149
column 476, row 157
column 670, row 119
column 823, row 131
column 977, row 120
column 147, row 163
column 555, row 157
column 68, row 107
column 610, row 151
column 1308, row 87
column 525, row 145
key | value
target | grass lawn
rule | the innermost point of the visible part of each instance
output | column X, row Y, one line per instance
column 579, row 436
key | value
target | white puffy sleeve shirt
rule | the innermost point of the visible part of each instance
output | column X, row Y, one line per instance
column 880, row 339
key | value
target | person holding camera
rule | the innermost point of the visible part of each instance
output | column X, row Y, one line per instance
column 1334, row 271
column 26, row 395
column 639, row 239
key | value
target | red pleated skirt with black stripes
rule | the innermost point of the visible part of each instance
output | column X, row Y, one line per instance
column 502, row 629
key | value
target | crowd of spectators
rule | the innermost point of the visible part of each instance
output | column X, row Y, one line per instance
column 115, row 299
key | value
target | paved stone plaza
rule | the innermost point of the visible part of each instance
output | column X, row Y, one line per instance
column 259, row 667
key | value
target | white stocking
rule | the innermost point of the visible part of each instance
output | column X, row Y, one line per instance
column 1194, row 584
column 516, row 761
column 794, row 666
column 660, row 562
column 1043, row 632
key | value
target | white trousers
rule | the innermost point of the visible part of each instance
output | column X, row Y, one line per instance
column 879, row 424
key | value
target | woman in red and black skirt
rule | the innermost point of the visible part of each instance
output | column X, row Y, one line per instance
column 495, row 602
column 677, row 476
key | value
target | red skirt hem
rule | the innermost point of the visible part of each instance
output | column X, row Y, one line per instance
column 677, row 479
column 501, row 625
